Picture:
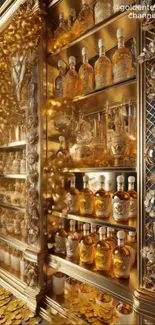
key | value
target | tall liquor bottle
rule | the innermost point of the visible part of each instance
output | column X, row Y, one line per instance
column 73, row 197
column 109, row 189
column 86, row 198
column 122, row 59
column 80, row 229
column 86, row 74
column 59, row 81
column 131, row 244
column 59, row 39
column 121, row 258
column 94, row 234
column 103, row 254
column 133, row 197
column 102, row 68
column 121, row 201
column 110, row 238
column 86, row 246
column 60, row 240
column 71, row 81
column 84, row 20
column 102, row 10
column 102, row 200
column 72, row 242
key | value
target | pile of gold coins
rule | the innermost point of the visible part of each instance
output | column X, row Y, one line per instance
column 13, row 311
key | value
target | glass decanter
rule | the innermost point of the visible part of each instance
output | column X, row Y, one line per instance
column 131, row 244
column 86, row 74
column 102, row 68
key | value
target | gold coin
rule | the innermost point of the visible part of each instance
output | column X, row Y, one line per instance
column 18, row 316
column 37, row 320
column 3, row 320
column 26, row 318
column 17, row 322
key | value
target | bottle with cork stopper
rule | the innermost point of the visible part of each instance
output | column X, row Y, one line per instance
column 103, row 254
column 72, row 242
column 103, row 67
column 86, row 246
column 121, row 258
column 86, row 198
column 133, row 197
column 71, row 81
column 121, row 201
column 102, row 200
column 86, row 74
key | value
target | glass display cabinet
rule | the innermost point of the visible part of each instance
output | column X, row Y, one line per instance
column 77, row 163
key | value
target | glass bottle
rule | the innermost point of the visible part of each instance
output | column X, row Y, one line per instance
column 23, row 131
column 62, row 150
column 86, row 247
column 86, row 198
column 131, row 244
column 73, row 197
column 102, row 200
column 103, row 255
column 18, row 132
column 60, row 240
column 16, row 163
column 102, row 10
column 121, row 258
column 94, row 234
column 121, row 201
column 110, row 239
column 109, row 190
column 80, row 229
column 59, row 81
column 86, row 74
column 59, row 40
column 9, row 164
column 72, row 242
column 122, row 59
column 102, row 68
column 85, row 19
column 60, row 197
column 23, row 163
column 71, row 81
column 23, row 194
column 133, row 197
column 16, row 196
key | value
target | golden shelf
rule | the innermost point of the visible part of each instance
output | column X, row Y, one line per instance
column 14, row 145
column 119, row 289
column 14, row 176
column 101, row 169
column 14, row 242
column 131, row 225
column 13, row 207
column 12, row 280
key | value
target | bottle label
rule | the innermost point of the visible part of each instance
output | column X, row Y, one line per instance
column 102, row 207
column 72, row 247
column 60, row 243
column 133, row 208
column 102, row 259
column 86, row 254
column 121, row 209
column 121, row 266
column 86, row 204
column 102, row 11
column 123, row 68
column 73, row 203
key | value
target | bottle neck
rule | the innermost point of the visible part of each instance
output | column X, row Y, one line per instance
column 120, row 242
column 72, row 66
column 61, row 71
column 62, row 144
column 72, row 185
column 102, row 236
column 93, row 229
column 102, row 51
column 120, row 186
column 86, row 185
column 120, row 42
column 72, row 228
column 79, row 227
column 85, row 59
column 131, row 186
column 102, row 185
column 109, row 234
column 86, row 232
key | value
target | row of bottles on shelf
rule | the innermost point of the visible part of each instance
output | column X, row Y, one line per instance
column 13, row 192
column 13, row 223
column 87, row 79
column 12, row 132
column 13, row 162
column 12, row 258
column 109, row 255
column 87, row 17
column 103, row 204
column 99, row 303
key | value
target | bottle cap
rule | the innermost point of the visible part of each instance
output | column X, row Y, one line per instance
column 86, row 179
column 131, row 179
column 101, row 42
column 120, row 179
column 101, row 179
column 84, row 50
column 132, row 233
column 72, row 59
column 121, row 234
column 61, row 15
column 72, row 223
column 102, row 230
column 60, row 63
column 120, row 32
column 61, row 139
column 86, row 226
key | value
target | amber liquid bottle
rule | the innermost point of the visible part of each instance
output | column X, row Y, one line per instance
column 71, row 81
column 86, row 198
column 72, row 242
column 121, row 201
column 121, row 258
column 110, row 239
column 103, row 254
column 86, row 74
column 84, row 20
column 60, row 240
column 103, row 68
column 94, row 234
column 131, row 244
column 86, row 246
column 102, row 200
column 133, row 197
column 73, row 197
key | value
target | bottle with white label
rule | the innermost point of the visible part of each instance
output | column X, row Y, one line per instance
column 122, row 59
column 133, row 197
column 103, row 254
column 94, row 234
column 131, row 244
column 86, row 74
column 86, row 246
column 59, row 81
column 71, row 80
column 72, row 242
column 102, row 68
column 86, row 198
column 102, row 200
column 73, row 197
column 121, row 201
column 60, row 240
column 102, row 10
column 121, row 258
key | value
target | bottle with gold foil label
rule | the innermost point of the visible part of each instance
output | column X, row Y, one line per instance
column 86, row 74
column 103, row 254
column 102, row 68
column 86, row 247
column 121, row 201
column 71, row 81
column 102, row 200
column 133, row 197
column 86, row 198
column 121, row 258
